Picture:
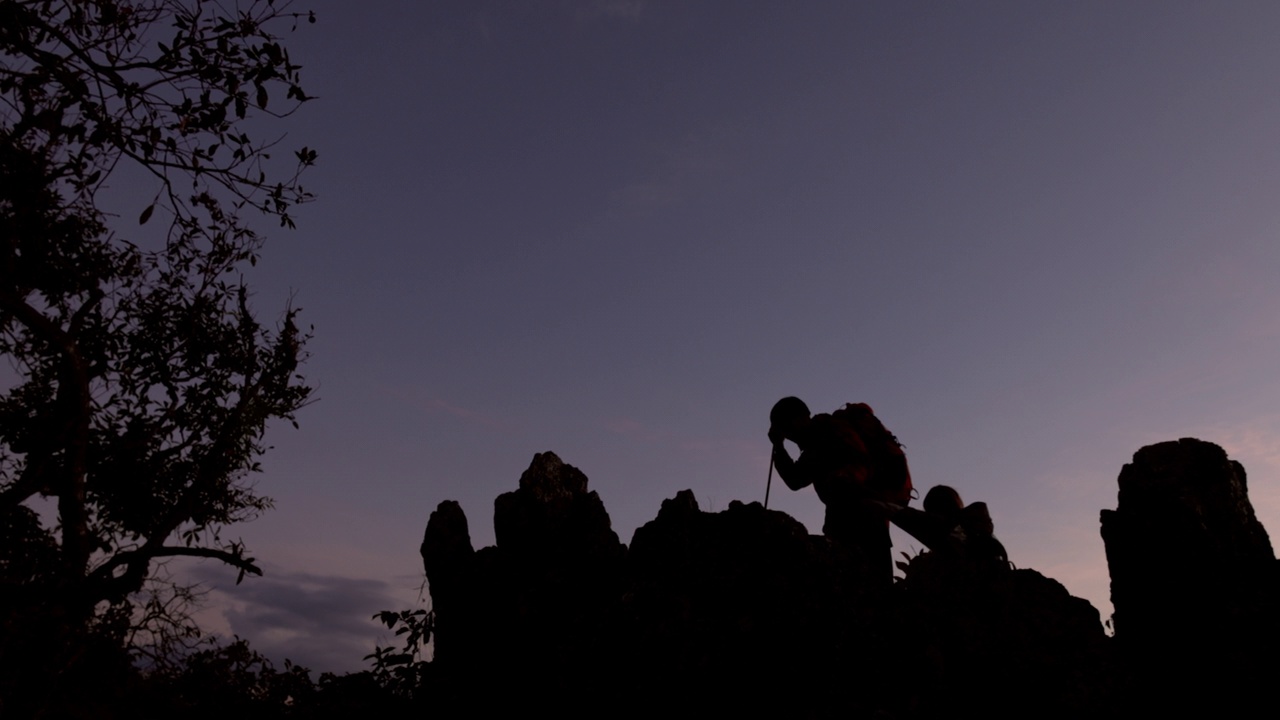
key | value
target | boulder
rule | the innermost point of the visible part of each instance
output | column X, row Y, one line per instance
column 1193, row 581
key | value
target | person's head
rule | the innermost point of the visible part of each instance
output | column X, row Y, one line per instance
column 943, row 500
column 789, row 417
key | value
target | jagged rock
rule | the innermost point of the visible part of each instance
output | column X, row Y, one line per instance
column 530, row 609
column 740, row 610
column 743, row 610
column 446, row 544
column 743, row 598
column 1193, row 577
column 449, row 561
column 995, row 643
column 552, row 512
column 1184, row 539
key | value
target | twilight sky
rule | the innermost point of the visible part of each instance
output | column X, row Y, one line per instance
column 1033, row 236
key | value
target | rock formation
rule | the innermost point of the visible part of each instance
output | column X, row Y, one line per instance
column 744, row 611
column 534, row 606
column 1183, row 539
column 741, row 610
column 1193, row 579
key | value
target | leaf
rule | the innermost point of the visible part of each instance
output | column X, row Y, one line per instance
column 262, row 97
column 146, row 214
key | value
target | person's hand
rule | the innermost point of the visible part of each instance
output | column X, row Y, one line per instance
column 775, row 436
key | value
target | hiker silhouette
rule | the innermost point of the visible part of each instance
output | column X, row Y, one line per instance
column 855, row 465
column 958, row 535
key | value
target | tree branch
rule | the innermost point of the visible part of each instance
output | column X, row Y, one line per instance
column 137, row 561
column 73, row 400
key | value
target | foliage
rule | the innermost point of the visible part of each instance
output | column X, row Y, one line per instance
column 142, row 381
column 402, row 670
column 228, row 680
column 233, row 680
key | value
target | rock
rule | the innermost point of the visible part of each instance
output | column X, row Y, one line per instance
column 446, row 544
column 531, row 609
column 743, row 598
column 743, row 611
column 553, row 513
column 1193, row 579
column 1184, row 541
column 449, row 562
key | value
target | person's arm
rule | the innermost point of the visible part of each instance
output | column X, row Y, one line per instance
column 786, row 467
column 930, row 529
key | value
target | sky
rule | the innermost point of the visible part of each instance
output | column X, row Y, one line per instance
column 1035, row 237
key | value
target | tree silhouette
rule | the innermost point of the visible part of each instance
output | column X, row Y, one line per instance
column 142, row 381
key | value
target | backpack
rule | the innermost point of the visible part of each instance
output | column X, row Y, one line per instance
column 890, row 478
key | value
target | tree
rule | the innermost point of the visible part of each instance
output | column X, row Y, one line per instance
column 142, row 382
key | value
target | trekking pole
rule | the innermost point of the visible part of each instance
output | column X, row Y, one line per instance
column 768, row 483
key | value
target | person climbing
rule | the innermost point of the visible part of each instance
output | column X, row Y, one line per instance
column 855, row 465
column 958, row 535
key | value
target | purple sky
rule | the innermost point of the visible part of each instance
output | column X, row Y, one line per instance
column 1033, row 236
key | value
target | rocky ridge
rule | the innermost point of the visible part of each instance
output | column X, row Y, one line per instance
column 745, row 610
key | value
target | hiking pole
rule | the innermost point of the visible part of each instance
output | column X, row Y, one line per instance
column 768, row 483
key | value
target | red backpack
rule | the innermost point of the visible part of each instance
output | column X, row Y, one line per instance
column 890, row 478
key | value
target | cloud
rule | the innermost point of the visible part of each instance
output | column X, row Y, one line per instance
column 323, row 622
